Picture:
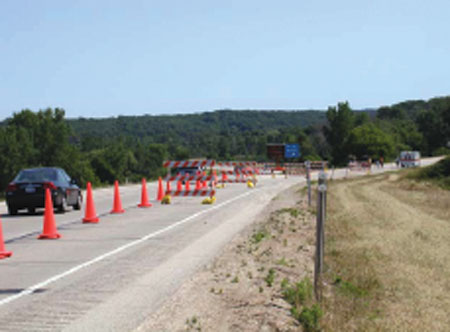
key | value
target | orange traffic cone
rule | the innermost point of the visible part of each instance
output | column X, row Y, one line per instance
column 90, row 215
column 215, row 177
column 188, row 186
column 197, row 185
column 179, row 186
column 204, row 184
column 160, row 193
column 49, row 231
column 117, row 205
column 3, row 252
column 168, row 187
column 144, row 197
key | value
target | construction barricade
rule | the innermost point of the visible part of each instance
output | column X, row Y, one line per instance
column 186, row 171
column 358, row 166
column 237, row 171
column 295, row 168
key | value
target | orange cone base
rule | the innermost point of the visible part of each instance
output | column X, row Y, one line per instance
column 145, row 205
column 117, row 211
column 5, row 254
column 90, row 220
column 49, row 236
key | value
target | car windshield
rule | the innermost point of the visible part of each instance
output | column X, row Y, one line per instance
column 186, row 170
column 36, row 175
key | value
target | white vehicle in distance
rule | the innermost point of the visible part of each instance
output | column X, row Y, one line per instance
column 409, row 159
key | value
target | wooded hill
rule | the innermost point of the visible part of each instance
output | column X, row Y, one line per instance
column 131, row 147
column 219, row 134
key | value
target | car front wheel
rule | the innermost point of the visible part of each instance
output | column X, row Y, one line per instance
column 78, row 204
column 63, row 206
column 12, row 210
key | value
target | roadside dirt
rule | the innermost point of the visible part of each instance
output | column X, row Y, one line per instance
column 241, row 289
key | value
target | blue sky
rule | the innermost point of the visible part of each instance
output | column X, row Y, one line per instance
column 108, row 58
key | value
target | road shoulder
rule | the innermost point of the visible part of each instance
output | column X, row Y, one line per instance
column 240, row 289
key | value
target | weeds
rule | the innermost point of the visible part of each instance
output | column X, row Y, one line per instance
column 299, row 293
column 292, row 211
column 270, row 278
column 259, row 236
column 349, row 289
column 193, row 324
column 299, row 296
column 282, row 262
column 309, row 318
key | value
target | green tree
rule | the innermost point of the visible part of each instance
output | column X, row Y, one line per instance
column 369, row 140
column 40, row 139
column 340, row 123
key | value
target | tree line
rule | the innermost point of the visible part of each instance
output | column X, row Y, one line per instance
column 132, row 147
column 413, row 125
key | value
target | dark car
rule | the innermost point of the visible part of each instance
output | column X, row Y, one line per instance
column 27, row 190
column 188, row 171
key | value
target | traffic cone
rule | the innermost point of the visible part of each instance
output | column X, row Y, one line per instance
column 144, row 197
column 168, row 187
column 117, row 205
column 3, row 252
column 188, row 186
column 197, row 185
column 223, row 177
column 204, row 184
column 179, row 186
column 215, row 177
column 90, row 214
column 49, row 231
column 160, row 193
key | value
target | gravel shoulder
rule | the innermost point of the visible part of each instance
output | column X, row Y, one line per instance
column 240, row 289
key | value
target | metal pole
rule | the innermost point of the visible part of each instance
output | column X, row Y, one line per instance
column 308, row 180
column 318, row 261
column 320, row 234
column 323, row 181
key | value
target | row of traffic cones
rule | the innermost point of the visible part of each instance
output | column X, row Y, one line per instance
column 49, row 228
column 198, row 186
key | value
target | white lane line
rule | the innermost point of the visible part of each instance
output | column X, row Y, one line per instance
column 97, row 259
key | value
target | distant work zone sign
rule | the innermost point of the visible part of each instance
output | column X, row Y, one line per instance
column 283, row 151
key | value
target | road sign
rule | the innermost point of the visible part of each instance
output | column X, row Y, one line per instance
column 291, row 151
column 275, row 151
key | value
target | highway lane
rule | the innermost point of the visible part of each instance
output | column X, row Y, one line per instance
column 151, row 239
column 24, row 224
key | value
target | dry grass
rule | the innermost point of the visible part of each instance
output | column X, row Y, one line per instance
column 388, row 256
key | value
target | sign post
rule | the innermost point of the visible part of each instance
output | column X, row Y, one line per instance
column 308, row 180
column 320, row 234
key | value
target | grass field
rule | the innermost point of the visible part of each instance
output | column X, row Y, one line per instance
column 387, row 256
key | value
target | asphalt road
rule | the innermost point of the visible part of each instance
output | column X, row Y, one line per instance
column 110, row 276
